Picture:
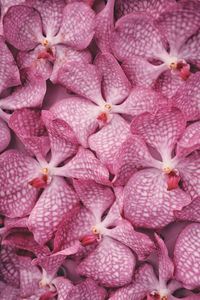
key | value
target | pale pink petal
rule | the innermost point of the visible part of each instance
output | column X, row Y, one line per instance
column 106, row 142
column 136, row 34
column 5, row 136
column 104, row 25
column 186, row 256
column 56, row 200
column 87, row 289
column 9, row 271
column 95, row 197
column 189, row 51
column 190, row 212
column 23, row 33
column 162, row 130
column 9, row 73
column 115, row 85
column 148, row 203
column 111, row 264
column 63, row 287
column 80, row 114
column 17, row 197
column 77, row 28
column 82, row 79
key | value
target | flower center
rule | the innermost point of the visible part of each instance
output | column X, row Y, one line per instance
column 155, row 295
column 45, row 43
column 181, row 68
column 104, row 115
column 42, row 180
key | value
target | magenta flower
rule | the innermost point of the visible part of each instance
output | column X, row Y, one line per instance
column 52, row 31
column 161, row 148
column 173, row 39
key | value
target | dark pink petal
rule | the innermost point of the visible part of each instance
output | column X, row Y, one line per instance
column 30, row 94
column 85, row 166
column 89, row 290
column 24, row 33
column 104, row 25
column 56, row 200
column 111, row 264
column 63, row 287
column 160, row 131
column 190, row 140
column 136, row 34
column 106, row 142
column 4, row 136
column 82, row 79
column 187, row 98
column 190, row 212
column 9, row 74
column 115, row 84
column 148, row 203
column 80, row 114
column 186, row 256
column 77, row 28
column 17, row 197
column 11, row 223
column 9, row 264
column 96, row 198
column 144, row 282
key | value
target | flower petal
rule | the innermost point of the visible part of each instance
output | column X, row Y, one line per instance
column 186, row 256
column 5, row 136
column 77, row 28
column 88, row 289
column 111, row 264
column 56, row 200
column 24, row 33
column 8, row 292
column 189, row 51
column 63, row 287
column 190, row 212
column 148, row 203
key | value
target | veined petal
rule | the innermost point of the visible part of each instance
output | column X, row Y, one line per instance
column 148, row 203
column 77, row 28
column 189, row 51
column 5, row 136
column 9, row 266
column 9, row 292
column 111, row 264
column 63, row 287
column 106, row 142
column 24, row 33
column 56, row 200
column 186, row 256
column 88, row 289
column 190, row 212
column 9, row 73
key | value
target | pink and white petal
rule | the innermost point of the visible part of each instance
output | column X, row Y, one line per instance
column 63, row 287
column 56, row 200
column 17, row 197
column 165, row 264
column 132, row 154
column 30, row 94
column 155, row 8
column 77, row 28
column 104, row 25
column 161, row 130
column 144, row 282
column 82, row 79
column 106, row 142
column 66, row 55
column 179, row 23
column 80, row 114
column 5, row 136
column 190, row 212
column 136, row 34
column 140, row 243
column 187, row 98
column 24, row 33
column 51, row 12
column 95, row 197
column 9, row 292
column 9, row 73
column 148, row 203
column 111, row 264
column 141, row 72
column 85, row 166
column 189, row 51
column 9, row 266
column 115, row 84
column 190, row 141
column 190, row 174
column 186, row 256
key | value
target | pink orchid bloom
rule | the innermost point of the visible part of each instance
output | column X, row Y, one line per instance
column 163, row 150
column 165, row 47
column 148, row 285
column 109, row 238
column 51, row 31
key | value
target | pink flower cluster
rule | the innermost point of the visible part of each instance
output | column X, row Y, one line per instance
column 100, row 150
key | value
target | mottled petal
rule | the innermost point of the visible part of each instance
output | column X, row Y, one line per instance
column 5, row 136
column 190, row 212
column 189, row 51
column 87, row 289
column 9, row 264
column 111, row 264
column 56, row 200
column 24, row 33
column 9, row 292
column 63, row 287
column 148, row 203
column 186, row 256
